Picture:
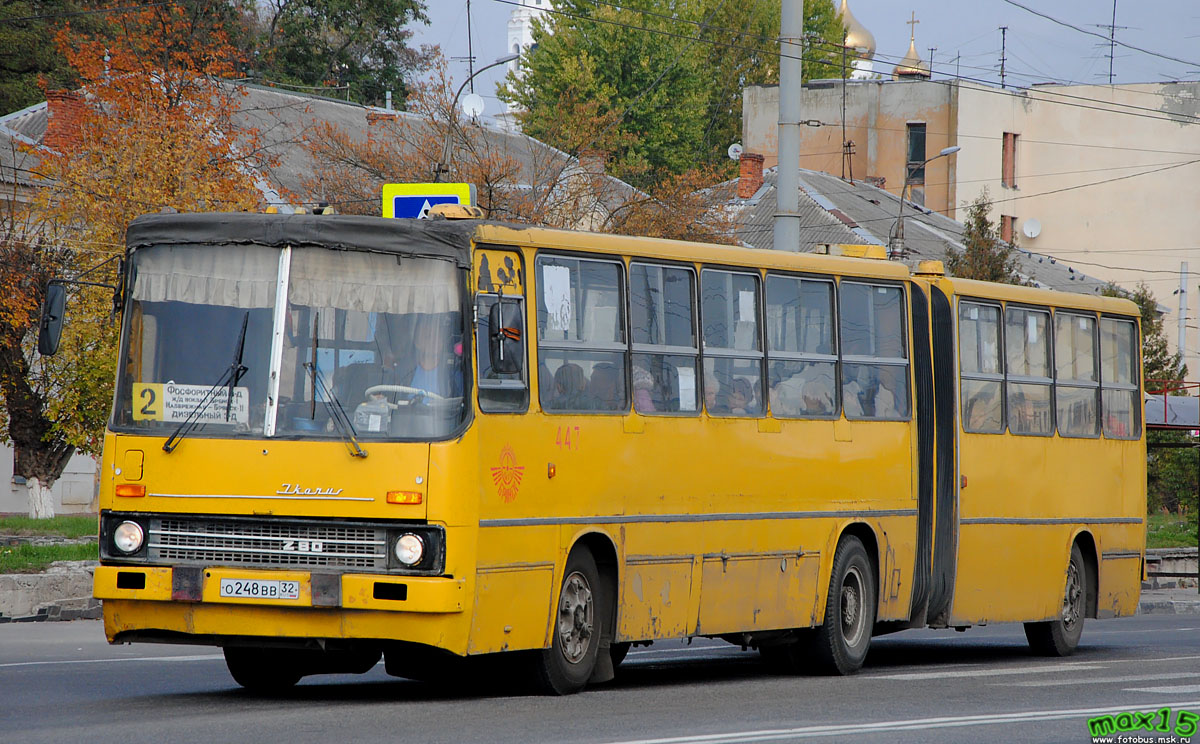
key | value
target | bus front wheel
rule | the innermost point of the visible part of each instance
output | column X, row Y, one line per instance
column 262, row 670
column 566, row 666
column 1060, row 637
column 841, row 642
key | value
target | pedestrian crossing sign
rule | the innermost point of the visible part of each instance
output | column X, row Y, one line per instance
column 414, row 200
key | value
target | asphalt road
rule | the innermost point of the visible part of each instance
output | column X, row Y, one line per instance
column 60, row 682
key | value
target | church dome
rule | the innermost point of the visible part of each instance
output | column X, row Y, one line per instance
column 858, row 37
column 912, row 66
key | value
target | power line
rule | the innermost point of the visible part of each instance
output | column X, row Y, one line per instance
column 1102, row 36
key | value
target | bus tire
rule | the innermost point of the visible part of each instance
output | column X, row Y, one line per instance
column 841, row 642
column 262, row 670
column 1060, row 637
column 566, row 666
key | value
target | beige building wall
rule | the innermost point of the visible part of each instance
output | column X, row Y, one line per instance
column 877, row 117
column 1111, row 175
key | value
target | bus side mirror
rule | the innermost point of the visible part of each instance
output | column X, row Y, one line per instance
column 50, row 325
column 505, row 332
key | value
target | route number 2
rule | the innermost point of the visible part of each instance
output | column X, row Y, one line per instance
column 568, row 437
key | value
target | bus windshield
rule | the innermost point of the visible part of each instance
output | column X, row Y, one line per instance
column 372, row 339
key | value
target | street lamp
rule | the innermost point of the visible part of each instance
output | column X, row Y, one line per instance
column 896, row 241
column 443, row 165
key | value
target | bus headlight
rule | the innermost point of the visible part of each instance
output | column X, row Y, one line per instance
column 409, row 549
column 128, row 537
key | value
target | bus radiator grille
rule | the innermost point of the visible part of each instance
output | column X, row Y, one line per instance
column 214, row 541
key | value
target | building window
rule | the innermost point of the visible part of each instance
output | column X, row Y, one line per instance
column 1007, row 223
column 1008, row 172
column 916, row 153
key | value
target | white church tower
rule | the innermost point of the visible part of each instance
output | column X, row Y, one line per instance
column 520, row 38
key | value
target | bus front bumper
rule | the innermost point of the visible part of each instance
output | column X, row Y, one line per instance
column 188, row 600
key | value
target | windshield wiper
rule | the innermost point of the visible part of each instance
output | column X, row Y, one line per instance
column 232, row 375
column 337, row 413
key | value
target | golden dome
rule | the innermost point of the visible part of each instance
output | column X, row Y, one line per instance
column 912, row 65
column 858, row 37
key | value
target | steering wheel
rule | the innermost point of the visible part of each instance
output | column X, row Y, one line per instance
column 411, row 392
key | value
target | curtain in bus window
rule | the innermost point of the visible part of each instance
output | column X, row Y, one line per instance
column 663, row 303
column 581, row 335
column 801, row 362
column 979, row 365
column 230, row 276
column 1027, row 356
column 1076, row 375
column 372, row 282
column 874, row 352
column 733, row 362
column 1119, row 378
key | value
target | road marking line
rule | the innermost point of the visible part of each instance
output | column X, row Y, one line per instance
column 1100, row 680
column 690, row 649
column 1176, row 690
column 1048, row 669
column 205, row 657
column 914, row 724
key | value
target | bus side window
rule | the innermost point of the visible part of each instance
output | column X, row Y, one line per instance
column 1119, row 379
column 1027, row 362
column 581, row 334
column 665, row 350
column 1076, row 378
column 979, row 367
column 733, row 357
column 874, row 352
column 801, row 354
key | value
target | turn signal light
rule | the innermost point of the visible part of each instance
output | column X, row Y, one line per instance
column 131, row 490
column 405, row 497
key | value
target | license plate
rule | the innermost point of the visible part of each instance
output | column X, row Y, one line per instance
column 259, row 589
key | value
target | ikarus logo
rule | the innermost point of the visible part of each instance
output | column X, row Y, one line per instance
column 295, row 489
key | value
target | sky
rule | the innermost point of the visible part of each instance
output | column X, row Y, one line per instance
column 1037, row 49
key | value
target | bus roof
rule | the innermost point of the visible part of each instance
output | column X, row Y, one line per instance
column 1035, row 296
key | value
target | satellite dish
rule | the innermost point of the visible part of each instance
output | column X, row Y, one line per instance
column 735, row 151
column 1032, row 228
column 472, row 104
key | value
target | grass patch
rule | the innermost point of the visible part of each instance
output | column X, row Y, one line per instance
column 34, row 558
column 1171, row 531
column 60, row 526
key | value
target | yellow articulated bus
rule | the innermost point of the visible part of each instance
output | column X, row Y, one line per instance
column 337, row 438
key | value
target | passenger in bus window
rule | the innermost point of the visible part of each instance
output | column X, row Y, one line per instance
column 818, row 397
column 885, row 400
column 714, row 401
column 742, row 401
column 854, row 395
column 643, row 385
column 434, row 372
column 604, row 389
column 570, row 386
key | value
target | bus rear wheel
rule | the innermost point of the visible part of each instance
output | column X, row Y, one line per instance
column 841, row 642
column 1060, row 637
column 262, row 670
column 568, row 664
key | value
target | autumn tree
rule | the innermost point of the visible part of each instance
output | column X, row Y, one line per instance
column 517, row 179
column 362, row 44
column 671, row 80
column 1171, row 479
column 153, row 130
column 984, row 255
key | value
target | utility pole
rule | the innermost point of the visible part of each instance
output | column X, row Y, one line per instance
column 470, row 50
column 787, row 183
column 1003, row 51
column 1183, row 307
column 931, row 51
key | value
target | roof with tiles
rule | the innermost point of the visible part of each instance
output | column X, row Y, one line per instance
column 838, row 211
column 284, row 118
